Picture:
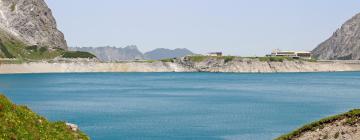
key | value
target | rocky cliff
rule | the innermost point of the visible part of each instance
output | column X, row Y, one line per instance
column 344, row 44
column 32, row 22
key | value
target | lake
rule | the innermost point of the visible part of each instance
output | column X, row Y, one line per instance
column 208, row 106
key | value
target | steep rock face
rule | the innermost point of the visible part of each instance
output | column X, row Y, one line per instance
column 108, row 54
column 344, row 44
column 162, row 53
column 30, row 21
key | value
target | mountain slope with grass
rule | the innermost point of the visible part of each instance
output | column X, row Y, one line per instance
column 340, row 127
column 32, row 22
column 19, row 122
column 28, row 32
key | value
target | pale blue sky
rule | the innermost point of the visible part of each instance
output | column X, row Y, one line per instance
column 237, row 27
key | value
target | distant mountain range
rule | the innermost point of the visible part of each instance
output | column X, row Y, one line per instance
column 108, row 54
column 163, row 53
column 344, row 44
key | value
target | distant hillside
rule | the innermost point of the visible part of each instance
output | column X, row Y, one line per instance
column 20, row 123
column 344, row 43
column 162, row 53
column 108, row 54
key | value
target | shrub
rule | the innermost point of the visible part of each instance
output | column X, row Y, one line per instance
column 228, row 58
column 43, row 49
column 77, row 54
column 32, row 48
column 167, row 60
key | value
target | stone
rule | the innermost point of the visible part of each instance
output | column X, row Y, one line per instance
column 344, row 44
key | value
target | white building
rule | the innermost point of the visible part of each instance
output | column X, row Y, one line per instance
column 292, row 54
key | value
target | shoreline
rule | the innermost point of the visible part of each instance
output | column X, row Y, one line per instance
column 238, row 66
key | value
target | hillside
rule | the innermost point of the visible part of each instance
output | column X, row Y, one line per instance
column 31, row 22
column 108, row 54
column 112, row 54
column 19, row 122
column 344, row 44
column 163, row 53
column 340, row 127
column 28, row 32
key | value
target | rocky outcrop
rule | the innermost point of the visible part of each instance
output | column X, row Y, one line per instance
column 163, row 53
column 32, row 22
column 344, row 44
column 110, row 54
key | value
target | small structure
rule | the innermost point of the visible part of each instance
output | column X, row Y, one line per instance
column 292, row 54
column 72, row 127
column 218, row 54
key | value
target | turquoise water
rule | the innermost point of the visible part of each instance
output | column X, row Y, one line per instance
column 206, row 106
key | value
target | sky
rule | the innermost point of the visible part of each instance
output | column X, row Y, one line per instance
column 235, row 27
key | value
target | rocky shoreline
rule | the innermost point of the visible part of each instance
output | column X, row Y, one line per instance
column 181, row 65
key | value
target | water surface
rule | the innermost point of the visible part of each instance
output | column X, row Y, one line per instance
column 207, row 106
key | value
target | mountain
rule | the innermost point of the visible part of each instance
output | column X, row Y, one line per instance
column 32, row 22
column 163, row 53
column 344, row 44
column 28, row 31
column 108, row 54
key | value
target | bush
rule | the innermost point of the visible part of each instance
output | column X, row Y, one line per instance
column 77, row 54
column 228, row 58
column 167, row 60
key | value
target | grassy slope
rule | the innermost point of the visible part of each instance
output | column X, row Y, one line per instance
column 19, row 122
column 352, row 117
column 11, row 47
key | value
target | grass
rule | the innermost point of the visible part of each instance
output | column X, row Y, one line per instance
column 351, row 116
column 275, row 59
column 19, row 122
column 13, row 48
column 77, row 54
column 201, row 58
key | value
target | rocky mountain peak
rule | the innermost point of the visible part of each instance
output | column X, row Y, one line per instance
column 32, row 22
column 344, row 44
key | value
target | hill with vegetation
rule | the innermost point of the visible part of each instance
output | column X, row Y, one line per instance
column 345, row 126
column 20, row 123
column 28, row 32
